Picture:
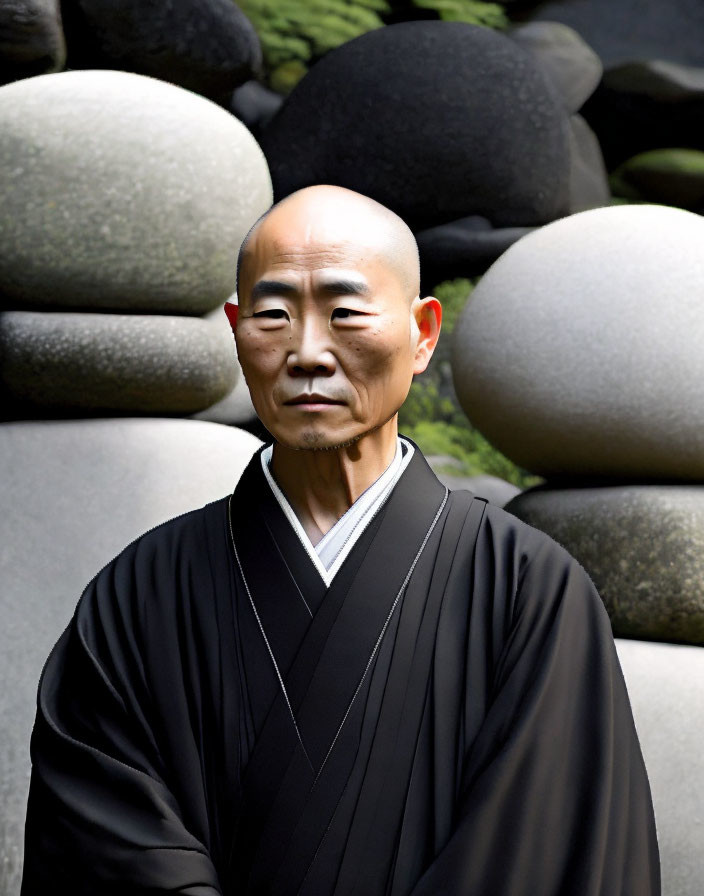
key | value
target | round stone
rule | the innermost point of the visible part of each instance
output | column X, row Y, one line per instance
column 114, row 362
column 122, row 192
column 666, row 691
column 580, row 350
column 624, row 30
column 670, row 176
column 436, row 120
column 75, row 493
column 573, row 67
column 31, row 39
column 642, row 545
column 644, row 105
column 207, row 46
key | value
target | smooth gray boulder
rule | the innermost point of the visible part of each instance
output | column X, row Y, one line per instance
column 133, row 363
column 235, row 409
column 666, row 687
column 643, row 546
column 580, row 350
column 122, row 192
column 75, row 493
column 31, row 39
column 573, row 67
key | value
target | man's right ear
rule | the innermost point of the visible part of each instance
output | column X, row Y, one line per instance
column 232, row 310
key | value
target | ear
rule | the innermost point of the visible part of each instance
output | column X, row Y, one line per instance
column 232, row 310
column 427, row 313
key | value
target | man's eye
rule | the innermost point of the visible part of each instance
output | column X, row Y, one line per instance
column 342, row 313
column 274, row 313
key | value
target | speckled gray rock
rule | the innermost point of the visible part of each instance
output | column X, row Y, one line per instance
column 236, row 407
column 571, row 64
column 116, row 362
column 580, row 351
column 643, row 545
column 31, row 39
column 208, row 46
column 122, row 192
column 436, row 120
column 74, row 494
column 666, row 689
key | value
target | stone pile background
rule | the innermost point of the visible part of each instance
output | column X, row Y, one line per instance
column 124, row 202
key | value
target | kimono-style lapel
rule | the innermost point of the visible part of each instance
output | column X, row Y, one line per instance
column 324, row 685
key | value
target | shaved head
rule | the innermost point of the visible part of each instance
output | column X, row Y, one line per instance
column 335, row 217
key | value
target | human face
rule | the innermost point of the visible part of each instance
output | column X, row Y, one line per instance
column 326, row 339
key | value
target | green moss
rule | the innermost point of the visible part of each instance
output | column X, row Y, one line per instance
column 671, row 176
column 294, row 33
column 474, row 12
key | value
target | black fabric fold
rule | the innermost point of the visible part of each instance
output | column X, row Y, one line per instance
column 487, row 748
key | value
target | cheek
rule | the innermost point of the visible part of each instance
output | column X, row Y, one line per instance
column 259, row 353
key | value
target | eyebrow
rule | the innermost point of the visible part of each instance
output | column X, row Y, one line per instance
column 339, row 287
column 268, row 287
column 344, row 287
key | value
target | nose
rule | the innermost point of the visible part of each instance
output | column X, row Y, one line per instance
column 311, row 351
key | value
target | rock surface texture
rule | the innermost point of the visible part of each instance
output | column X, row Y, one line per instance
column 122, row 192
column 573, row 67
column 75, row 494
column 31, row 39
column 580, row 351
column 666, row 689
column 207, row 46
column 437, row 120
column 135, row 363
column 623, row 30
column 643, row 545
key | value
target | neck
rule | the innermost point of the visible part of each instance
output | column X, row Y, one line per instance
column 322, row 485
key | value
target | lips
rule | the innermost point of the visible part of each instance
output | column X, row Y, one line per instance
column 312, row 398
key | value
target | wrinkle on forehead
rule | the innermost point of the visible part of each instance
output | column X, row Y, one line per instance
column 327, row 226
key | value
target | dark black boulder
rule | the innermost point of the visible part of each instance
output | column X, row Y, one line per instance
column 31, row 39
column 437, row 120
column 207, row 46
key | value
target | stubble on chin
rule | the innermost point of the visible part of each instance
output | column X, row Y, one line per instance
column 311, row 440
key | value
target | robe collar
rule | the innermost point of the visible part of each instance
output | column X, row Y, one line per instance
column 351, row 525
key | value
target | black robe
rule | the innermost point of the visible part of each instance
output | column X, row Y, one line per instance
column 216, row 720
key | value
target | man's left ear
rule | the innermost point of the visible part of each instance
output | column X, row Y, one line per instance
column 232, row 310
column 428, row 317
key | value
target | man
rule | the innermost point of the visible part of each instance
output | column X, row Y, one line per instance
column 342, row 679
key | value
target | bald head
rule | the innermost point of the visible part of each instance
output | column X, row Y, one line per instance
column 325, row 217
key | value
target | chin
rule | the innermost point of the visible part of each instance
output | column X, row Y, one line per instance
column 315, row 440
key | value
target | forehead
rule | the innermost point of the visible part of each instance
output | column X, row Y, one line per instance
column 302, row 242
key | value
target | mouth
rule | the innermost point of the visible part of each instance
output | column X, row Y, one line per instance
column 312, row 399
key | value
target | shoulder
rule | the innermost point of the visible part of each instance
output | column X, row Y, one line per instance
column 159, row 566
column 535, row 570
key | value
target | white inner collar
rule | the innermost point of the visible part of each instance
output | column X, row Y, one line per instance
column 330, row 552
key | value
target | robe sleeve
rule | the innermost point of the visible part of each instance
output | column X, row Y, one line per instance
column 555, row 798
column 102, row 817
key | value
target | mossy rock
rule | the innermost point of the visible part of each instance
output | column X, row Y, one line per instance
column 669, row 176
